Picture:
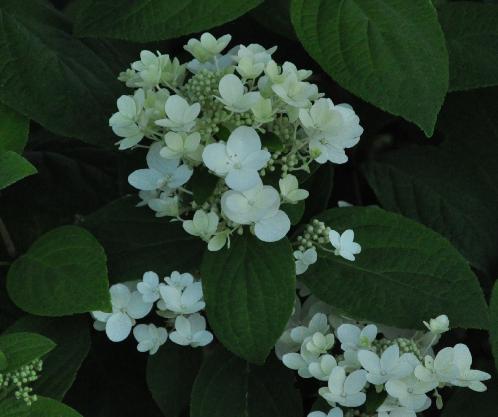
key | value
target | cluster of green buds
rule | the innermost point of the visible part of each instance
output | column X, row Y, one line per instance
column 18, row 381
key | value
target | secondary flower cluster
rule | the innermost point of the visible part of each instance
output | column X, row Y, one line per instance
column 225, row 135
column 178, row 300
column 357, row 360
column 19, row 380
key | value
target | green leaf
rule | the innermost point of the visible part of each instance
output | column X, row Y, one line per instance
column 405, row 273
column 13, row 167
column 391, row 53
column 274, row 15
column 153, row 20
column 229, row 386
column 249, row 292
column 10, row 407
column 60, row 366
column 64, row 272
column 47, row 407
column 202, row 185
column 69, row 88
column 493, row 325
column 471, row 31
column 4, row 363
column 467, row 403
column 14, row 130
column 23, row 348
column 294, row 211
column 135, row 241
column 427, row 183
column 272, row 141
column 170, row 376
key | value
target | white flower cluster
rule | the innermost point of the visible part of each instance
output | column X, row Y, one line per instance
column 178, row 300
column 356, row 360
column 317, row 235
column 237, row 126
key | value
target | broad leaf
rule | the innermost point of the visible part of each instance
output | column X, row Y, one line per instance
column 71, row 334
column 13, row 167
column 405, row 273
column 471, row 31
column 64, row 272
column 69, row 88
column 467, row 403
column 13, row 130
column 493, row 325
column 249, row 291
column 391, row 53
column 229, row 386
column 170, row 376
column 135, row 241
column 23, row 348
column 153, row 20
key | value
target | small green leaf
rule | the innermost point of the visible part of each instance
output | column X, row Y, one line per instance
column 170, row 376
column 294, row 211
column 154, row 20
column 229, row 386
column 493, row 326
column 135, row 241
column 64, row 272
column 202, row 185
column 72, row 336
column 471, row 31
column 249, row 291
column 23, row 348
column 385, row 51
column 4, row 363
column 14, row 130
column 13, row 167
column 272, row 142
column 405, row 273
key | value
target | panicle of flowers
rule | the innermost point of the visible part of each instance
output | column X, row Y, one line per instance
column 18, row 381
column 237, row 126
column 356, row 360
column 178, row 301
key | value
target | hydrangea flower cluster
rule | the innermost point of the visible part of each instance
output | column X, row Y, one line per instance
column 237, row 125
column 178, row 300
column 18, row 381
column 356, row 360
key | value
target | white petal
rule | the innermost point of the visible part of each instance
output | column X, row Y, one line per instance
column 369, row 361
column 273, row 228
column 334, row 238
column 144, row 179
column 355, row 382
column 127, row 106
column 242, row 179
column 141, row 332
column 120, row 296
column 137, row 307
column 118, row 327
column 215, row 158
column 243, row 141
column 231, row 88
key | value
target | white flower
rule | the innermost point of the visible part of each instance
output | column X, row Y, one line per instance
column 149, row 68
column 262, row 110
column 179, row 280
column 334, row 412
column 304, row 260
column 181, row 116
column 207, row 47
column 149, row 337
column 388, row 366
column 322, row 369
column 185, row 300
column 165, row 205
column 164, row 174
column 319, row 343
column 219, row 240
column 290, row 191
column 203, row 225
column 345, row 390
column 352, row 338
column 182, row 146
column 294, row 92
column 439, row 325
column 149, row 287
column 344, row 244
column 239, row 160
column 300, row 362
column 252, row 60
column 191, row 331
column 318, row 323
column 129, row 120
column 146, row 196
column 216, row 63
column 410, row 392
column 233, row 95
column 126, row 308
column 391, row 408
column 258, row 206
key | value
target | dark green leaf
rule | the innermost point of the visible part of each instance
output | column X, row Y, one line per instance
column 42, row 407
column 170, row 376
column 13, row 167
column 249, row 291
column 467, row 403
column 229, row 386
column 294, row 211
column 405, row 273
column 14, row 130
column 471, row 31
column 202, row 185
column 68, row 88
column 391, row 53
column 4, row 363
column 60, row 366
column 272, row 141
column 274, row 15
column 23, row 348
column 493, row 325
column 64, row 272
column 153, row 20
column 135, row 241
